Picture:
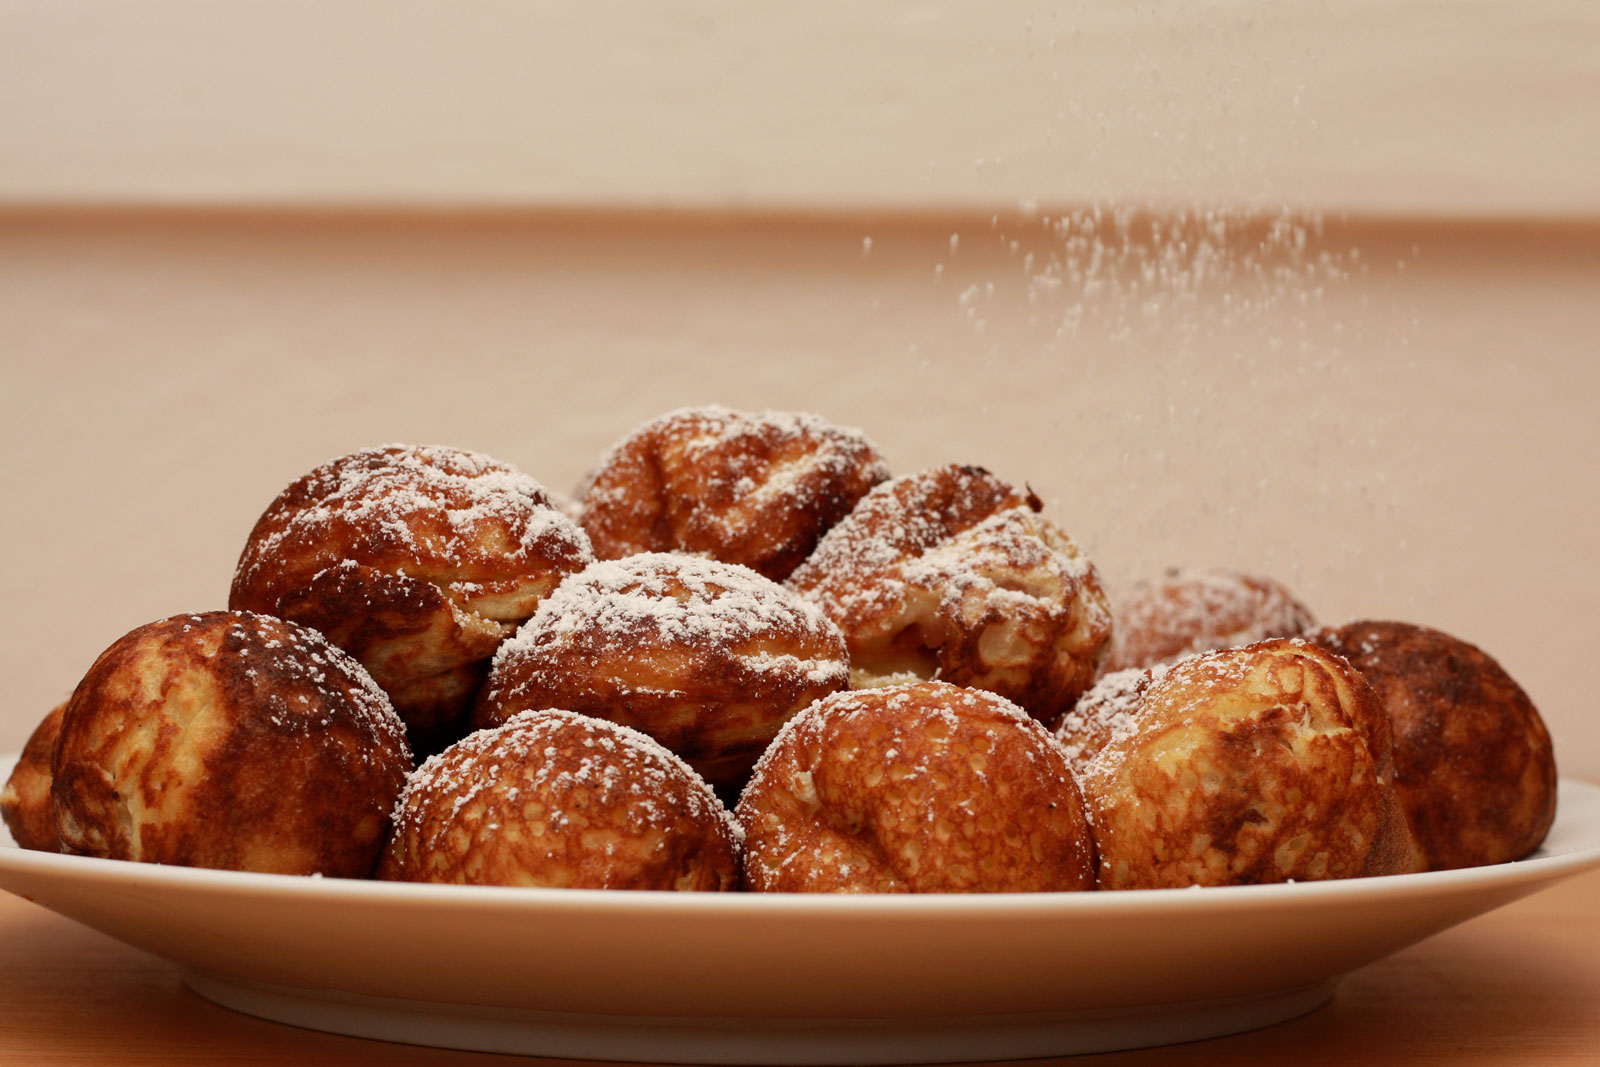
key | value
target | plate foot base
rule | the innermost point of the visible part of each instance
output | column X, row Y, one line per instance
column 754, row 1041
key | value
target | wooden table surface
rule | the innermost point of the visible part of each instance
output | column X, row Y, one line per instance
column 1517, row 986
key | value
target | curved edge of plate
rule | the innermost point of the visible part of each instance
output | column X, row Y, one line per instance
column 768, row 1041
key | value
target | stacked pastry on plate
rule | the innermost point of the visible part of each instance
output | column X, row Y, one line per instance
column 747, row 656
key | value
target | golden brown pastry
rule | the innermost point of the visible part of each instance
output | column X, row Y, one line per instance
column 1474, row 766
column 923, row 788
column 754, row 488
column 1244, row 765
column 552, row 798
column 229, row 740
column 418, row 561
column 1109, row 709
column 708, row 658
column 1189, row 611
column 25, row 802
column 951, row 573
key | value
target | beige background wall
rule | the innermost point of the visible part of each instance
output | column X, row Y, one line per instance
column 1433, row 107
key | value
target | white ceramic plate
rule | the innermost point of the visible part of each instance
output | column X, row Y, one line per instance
column 724, row 978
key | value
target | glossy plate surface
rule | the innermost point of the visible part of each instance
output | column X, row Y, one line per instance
column 781, row 978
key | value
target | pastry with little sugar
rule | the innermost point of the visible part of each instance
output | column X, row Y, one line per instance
column 1261, row 763
column 25, row 802
column 920, row 788
column 1474, row 766
column 229, row 740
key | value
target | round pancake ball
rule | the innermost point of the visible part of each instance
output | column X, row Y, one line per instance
column 25, row 802
column 753, row 488
column 708, row 658
column 1243, row 765
column 229, row 740
column 921, row 788
column 1109, row 708
column 953, row 574
column 1188, row 611
column 418, row 560
column 1473, row 762
column 553, row 798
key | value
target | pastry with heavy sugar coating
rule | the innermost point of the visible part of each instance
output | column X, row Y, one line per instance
column 921, row 788
column 418, row 561
column 1246, row 765
column 229, row 740
column 754, row 488
column 1188, row 611
column 25, row 802
column 953, row 574
column 1474, row 766
column 709, row 658
column 553, row 798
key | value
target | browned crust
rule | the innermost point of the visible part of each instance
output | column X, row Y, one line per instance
column 553, row 798
column 757, row 489
column 415, row 559
column 854, row 576
column 1473, row 763
column 1189, row 611
column 617, row 642
column 921, row 788
column 1246, row 765
column 953, row 573
column 228, row 740
column 425, row 652
column 25, row 802
column 327, row 516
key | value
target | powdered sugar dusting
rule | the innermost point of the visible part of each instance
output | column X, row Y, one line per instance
column 856, row 568
column 437, row 507
column 838, row 448
column 952, row 570
column 303, row 657
column 553, row 754
column 1187, row 611
column 1107, row 714
column 668, row 599
column 757, row 489
column 925, row 704
column 922, row 787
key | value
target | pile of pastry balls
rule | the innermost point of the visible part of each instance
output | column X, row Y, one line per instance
column 747, row 656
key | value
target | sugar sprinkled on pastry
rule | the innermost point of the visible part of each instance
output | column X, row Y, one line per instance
column 754, row 488
column 419, row 561
column 1187, row 611
column 953, row 574
column 553, row 798
column 708, row 658
column 1108, row 712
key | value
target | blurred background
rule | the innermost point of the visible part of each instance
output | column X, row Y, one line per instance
column 1311, row 290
